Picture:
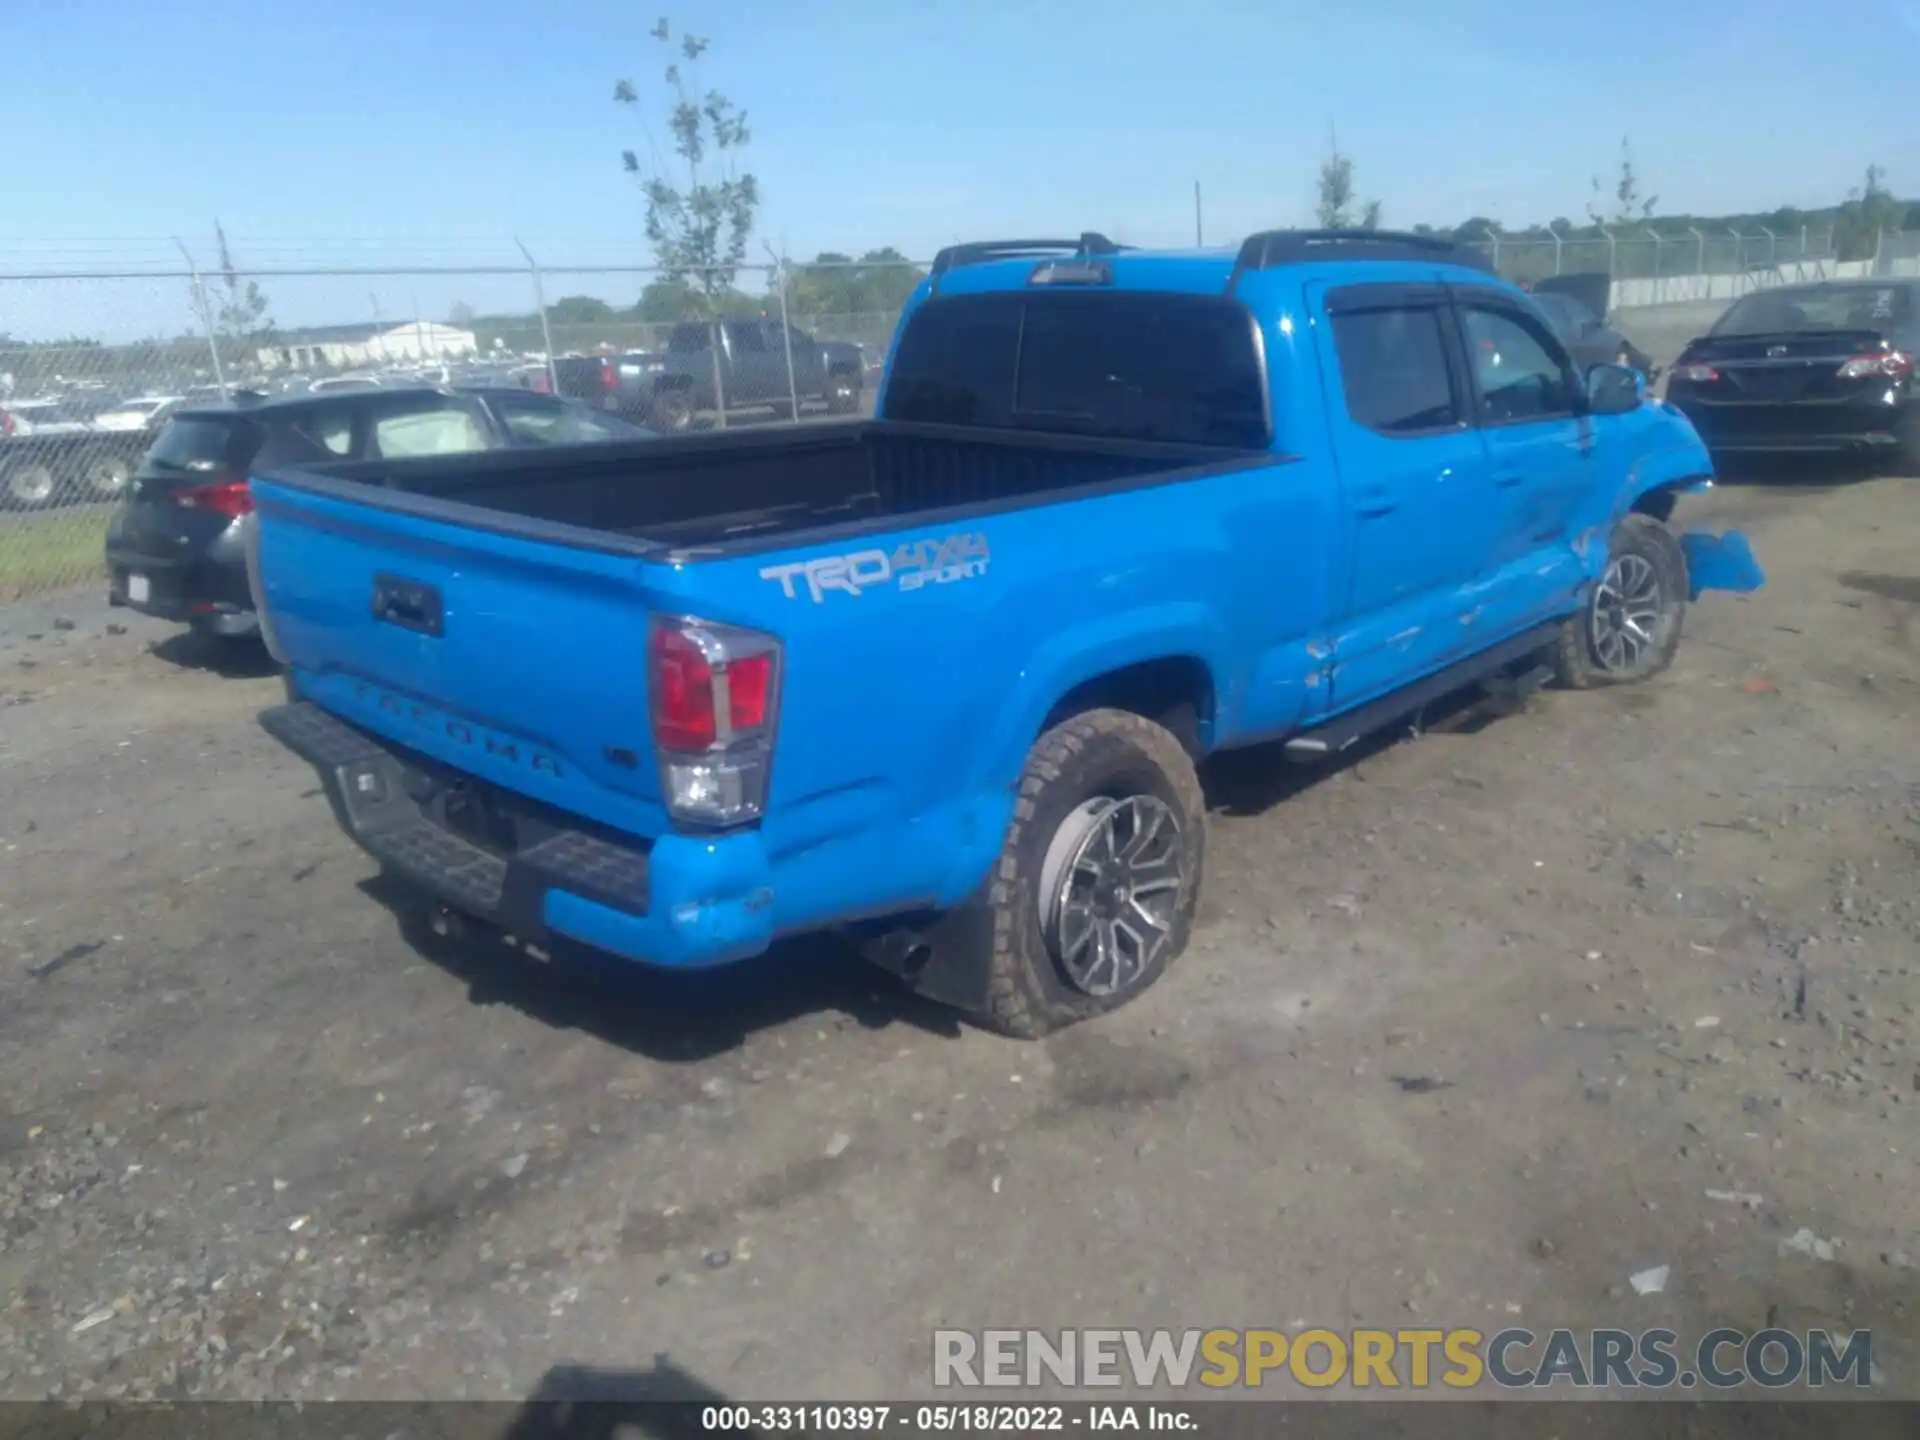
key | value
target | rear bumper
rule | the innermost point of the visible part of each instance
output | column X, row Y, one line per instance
column 204, row 585
column 679, row 901
column 1806, row 429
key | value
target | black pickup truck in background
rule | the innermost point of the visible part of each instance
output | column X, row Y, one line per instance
column 709, row 367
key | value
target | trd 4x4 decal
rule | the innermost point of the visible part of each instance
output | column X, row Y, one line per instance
column 912, row 566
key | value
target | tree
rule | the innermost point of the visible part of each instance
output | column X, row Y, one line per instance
column 699, row 230
column 878, row 283
column 237, row 311
column 579, row 310
column 1336, row 207
column 1869, row 209
column 1627, row 207
column 462, row 314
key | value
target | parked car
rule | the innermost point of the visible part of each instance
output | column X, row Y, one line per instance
column 51, row 453
column 47, row 417
column 1108, row 521
column 173, row 546
column 1578, row 306
column 143, row 412
column 1823, row 368
column 744, row 360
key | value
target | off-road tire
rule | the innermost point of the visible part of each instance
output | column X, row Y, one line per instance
column 1098, row 752
column 1577, row 664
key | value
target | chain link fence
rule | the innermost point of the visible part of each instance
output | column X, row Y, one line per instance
column 94, row 361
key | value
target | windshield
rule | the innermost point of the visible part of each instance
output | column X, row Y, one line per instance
column 1183, row 369
column 1825, row 307
column 1567, row 314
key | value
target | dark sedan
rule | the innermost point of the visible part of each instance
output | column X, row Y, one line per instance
column 175, row 546
column 1824, row 368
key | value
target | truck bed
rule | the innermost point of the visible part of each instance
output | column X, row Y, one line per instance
column 755, row 488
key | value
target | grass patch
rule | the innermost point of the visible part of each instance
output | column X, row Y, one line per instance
column 54, row 551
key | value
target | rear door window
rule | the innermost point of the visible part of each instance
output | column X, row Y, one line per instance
column 1394, row 369
column 1182, row 369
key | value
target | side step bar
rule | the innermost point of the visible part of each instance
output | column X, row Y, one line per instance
column 1326, row 740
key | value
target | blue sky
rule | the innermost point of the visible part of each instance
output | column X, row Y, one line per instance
column 435, row 130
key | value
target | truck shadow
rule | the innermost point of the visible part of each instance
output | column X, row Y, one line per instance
column 580, row 1402
column 1250, row 782
column 231, row 659
column 679, row 1017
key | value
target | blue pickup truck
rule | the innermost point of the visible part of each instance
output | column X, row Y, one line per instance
column 940, row 680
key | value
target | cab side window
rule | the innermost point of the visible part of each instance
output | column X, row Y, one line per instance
column 1522, row 374
column 1394, row 370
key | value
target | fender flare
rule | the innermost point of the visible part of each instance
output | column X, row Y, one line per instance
column 1064, row 662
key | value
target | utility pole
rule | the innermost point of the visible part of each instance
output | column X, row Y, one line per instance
column 1198, row 241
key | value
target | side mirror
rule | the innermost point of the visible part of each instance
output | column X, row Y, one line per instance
column 1615, row 390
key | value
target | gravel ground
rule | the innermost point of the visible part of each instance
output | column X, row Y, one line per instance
column 1471, row 1029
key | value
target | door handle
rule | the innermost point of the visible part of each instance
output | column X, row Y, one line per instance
column 1507, row 479
column 408, row 604
column 1372, row 504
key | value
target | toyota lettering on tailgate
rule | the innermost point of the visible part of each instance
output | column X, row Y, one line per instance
column 911, row 566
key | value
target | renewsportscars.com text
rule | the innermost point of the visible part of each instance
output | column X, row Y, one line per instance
column 1413, row 1359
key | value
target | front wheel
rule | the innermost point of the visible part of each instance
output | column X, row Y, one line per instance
column 1094, row 893
column 843, row 395
column 1630, row 626
column 29, row 486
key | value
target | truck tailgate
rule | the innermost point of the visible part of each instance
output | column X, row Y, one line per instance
column 519, row 661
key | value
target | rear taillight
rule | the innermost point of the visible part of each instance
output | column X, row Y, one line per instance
column 1890, row 364
column 609, row 375
column 715, row 696
column 542, row 383
column 230, row 498
column 6, row 424
column 1694, row 373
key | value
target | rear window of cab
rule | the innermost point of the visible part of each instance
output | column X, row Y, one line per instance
column 1180, row 369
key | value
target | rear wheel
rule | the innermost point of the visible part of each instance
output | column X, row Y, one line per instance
column 106, row 478
column 673, row 411
column 1630, row 627
column 1094, row 893
column 843, row 395
column 30, row 486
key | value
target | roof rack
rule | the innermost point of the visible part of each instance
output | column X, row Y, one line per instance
column 1091, row 242
column 1271, row 248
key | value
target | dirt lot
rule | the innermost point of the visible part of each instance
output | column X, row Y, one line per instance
column 1470, row 1030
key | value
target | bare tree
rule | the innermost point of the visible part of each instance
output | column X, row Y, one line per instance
column 240, row 314
column 701, row 203
column 1626, row 206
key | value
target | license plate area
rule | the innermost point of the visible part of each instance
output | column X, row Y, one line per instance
column 139, row 589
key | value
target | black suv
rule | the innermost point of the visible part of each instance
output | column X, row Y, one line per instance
column 175, row 547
